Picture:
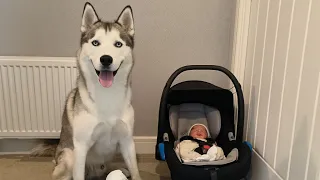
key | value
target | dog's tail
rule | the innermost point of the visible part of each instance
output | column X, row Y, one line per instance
column 47, row 148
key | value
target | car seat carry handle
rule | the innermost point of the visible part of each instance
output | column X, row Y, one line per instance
column 234, row 80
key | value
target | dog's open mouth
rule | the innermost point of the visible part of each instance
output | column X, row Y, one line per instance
column 106, row 77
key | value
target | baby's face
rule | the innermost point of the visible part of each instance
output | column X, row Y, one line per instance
column 198, row 131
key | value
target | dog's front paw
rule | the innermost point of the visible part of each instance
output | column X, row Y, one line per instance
column 126, row 172
column 137, row 178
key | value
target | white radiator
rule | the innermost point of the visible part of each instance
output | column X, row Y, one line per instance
column 32, row 95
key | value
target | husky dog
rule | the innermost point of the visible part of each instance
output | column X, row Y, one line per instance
column 98, row 116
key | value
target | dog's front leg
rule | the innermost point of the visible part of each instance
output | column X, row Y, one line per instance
column 128, row 151
column 80, row 154
column 126, row 143
column 84, row 138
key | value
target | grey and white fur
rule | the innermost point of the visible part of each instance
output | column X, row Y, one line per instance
column 98, row 116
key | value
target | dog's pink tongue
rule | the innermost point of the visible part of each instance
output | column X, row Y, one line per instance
column 106, row 78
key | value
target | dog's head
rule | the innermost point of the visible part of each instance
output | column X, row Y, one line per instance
column 106, row 45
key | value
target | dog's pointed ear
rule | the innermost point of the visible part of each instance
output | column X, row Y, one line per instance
column 89, row 17
column 125, row 19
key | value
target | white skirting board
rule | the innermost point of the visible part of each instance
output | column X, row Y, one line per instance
column 144, row 145
column 261, row 170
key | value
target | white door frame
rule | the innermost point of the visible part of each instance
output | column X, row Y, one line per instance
column 240, row 38
column 239, row 49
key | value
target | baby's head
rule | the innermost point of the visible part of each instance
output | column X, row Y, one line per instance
column 199, row 131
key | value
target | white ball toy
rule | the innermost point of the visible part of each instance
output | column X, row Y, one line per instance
column 116, row 175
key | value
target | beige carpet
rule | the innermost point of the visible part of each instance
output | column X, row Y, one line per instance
column 21, row 167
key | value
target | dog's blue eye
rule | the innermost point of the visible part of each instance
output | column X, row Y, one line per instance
column 95, row 43
column 118, row 44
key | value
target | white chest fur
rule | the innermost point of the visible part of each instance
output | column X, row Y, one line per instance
column 109, row 107
column 108, row 103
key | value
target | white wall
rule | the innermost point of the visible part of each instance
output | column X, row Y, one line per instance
column 169, row 34
column 281, row 88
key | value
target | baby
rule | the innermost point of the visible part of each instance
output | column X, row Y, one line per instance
column 198, row 146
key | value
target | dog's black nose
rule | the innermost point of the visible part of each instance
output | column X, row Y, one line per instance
column 106, row 60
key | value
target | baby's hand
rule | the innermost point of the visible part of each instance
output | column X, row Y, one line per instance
column 216, row 153
column 220, row 154
column 204, row 157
